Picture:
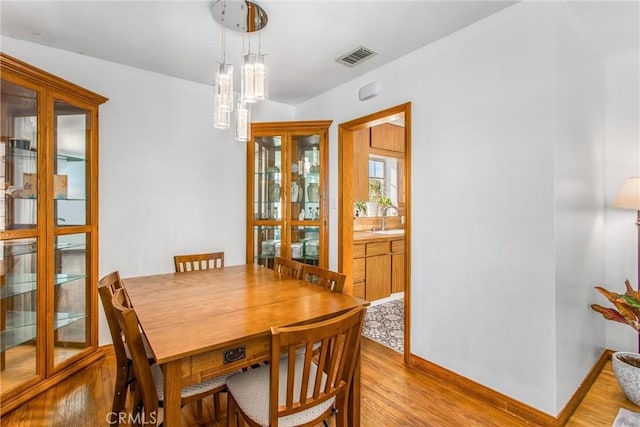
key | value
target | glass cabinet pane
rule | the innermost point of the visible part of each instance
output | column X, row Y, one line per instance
column 267, row 178
column 305, row 178
column 266, row 245
column 70, row 166
column 305, row 244
column 18, row 148
column 70, row 323
column 18, row 312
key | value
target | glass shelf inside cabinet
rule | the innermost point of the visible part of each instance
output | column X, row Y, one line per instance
column 69, row 158
column 22, row 283
column 21, row 326
column 18, row 248
column 20, row 153
column 32, row 154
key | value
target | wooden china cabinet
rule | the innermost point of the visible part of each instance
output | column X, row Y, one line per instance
column 287, row 206
column 48, row 230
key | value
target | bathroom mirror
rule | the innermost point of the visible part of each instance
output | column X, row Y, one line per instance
column 245, row 16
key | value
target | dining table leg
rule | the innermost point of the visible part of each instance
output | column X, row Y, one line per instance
column 172, row 386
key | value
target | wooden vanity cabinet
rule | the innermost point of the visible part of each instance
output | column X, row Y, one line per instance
column 397, row 266
column 378, row 268
column 359, row 270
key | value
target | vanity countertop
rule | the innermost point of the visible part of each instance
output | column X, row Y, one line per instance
column 366, row 236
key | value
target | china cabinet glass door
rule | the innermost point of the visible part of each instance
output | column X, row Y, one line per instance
column 70, row 333
column 306, row 186
column 267, row 198
column 19, row 284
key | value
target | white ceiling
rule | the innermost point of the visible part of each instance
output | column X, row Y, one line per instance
column 302, row 39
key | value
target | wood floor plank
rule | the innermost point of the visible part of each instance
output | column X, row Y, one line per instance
column 392, row 395
column 601, row 405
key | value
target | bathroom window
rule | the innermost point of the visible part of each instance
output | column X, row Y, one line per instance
column 376, row 171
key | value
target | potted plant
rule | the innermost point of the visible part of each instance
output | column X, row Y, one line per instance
column 384, row 201
column 626, row 365
column 361, row 208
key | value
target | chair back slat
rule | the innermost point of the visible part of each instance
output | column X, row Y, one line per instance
column 195, row 262
column 331, row 280
column 288, row 267
column 331, row 350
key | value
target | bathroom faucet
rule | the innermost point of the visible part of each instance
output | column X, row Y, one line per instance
column 384, row 214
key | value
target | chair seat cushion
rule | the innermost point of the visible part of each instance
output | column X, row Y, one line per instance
column 191, row 389
column 250, row 390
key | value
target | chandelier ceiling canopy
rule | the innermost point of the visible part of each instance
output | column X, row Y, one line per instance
column 245, row 16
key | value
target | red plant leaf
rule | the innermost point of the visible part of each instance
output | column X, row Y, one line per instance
column 609, row 313
column 626, row 311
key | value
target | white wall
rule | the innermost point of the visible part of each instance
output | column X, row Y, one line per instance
column 169, row 181
column 622, row 161
column 487, row 176
column 579, row 140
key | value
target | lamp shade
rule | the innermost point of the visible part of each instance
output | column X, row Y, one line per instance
column 629, row 195
column 248, row 78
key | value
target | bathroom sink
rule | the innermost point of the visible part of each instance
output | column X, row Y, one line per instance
column 396, row 231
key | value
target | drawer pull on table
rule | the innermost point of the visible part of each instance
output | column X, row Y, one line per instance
column 235, row 354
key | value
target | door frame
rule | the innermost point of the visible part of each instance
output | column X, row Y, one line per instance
column 345, row 198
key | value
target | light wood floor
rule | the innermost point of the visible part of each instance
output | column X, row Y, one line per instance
column 392, row 395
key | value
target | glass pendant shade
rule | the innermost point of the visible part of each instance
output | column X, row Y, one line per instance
column 261, row 82
column 243, row 121
column 223, row 97
column 222, row 119
column 247, row 76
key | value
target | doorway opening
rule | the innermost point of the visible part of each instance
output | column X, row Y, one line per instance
column 374, row 227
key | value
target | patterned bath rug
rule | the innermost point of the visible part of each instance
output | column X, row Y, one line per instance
column 627, row 418
column 384, row 323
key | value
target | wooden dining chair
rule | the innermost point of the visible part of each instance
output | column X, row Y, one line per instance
column 331, row 280
column 195, row 262
column 149, row 380
column 107, row 287
column 300, row 389
column 288, row 267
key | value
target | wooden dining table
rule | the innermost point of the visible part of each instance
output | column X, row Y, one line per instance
column 206, row 323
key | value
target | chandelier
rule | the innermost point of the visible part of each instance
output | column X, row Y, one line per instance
column 244, row 16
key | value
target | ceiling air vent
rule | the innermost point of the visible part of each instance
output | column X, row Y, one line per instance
column 355, row 57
